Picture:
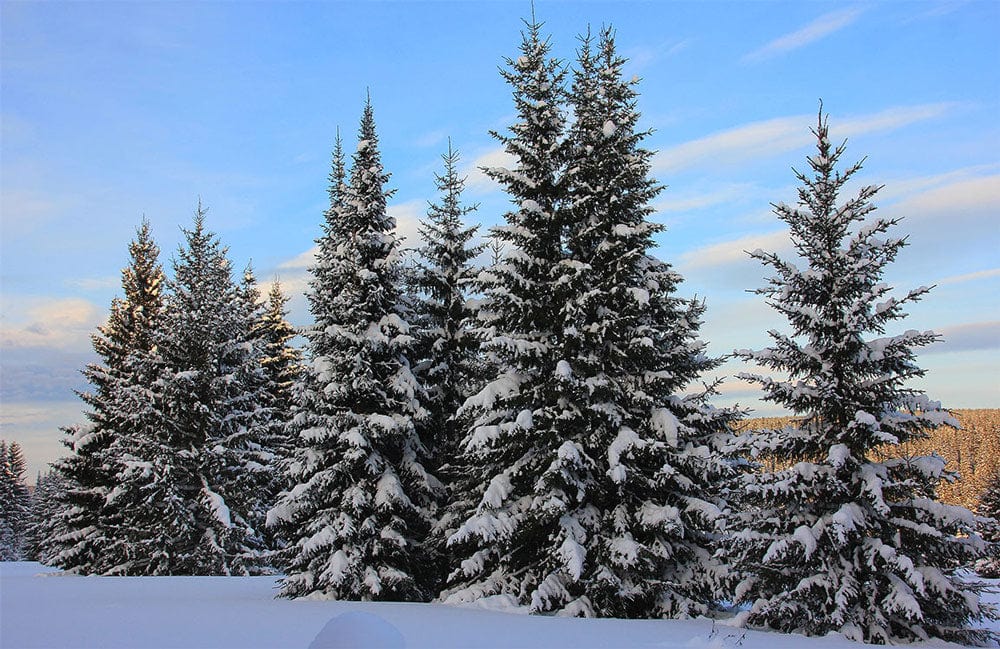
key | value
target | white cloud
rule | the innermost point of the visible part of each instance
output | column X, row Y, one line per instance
column 431, row 138
column 408, row 217
column 972, row 336
column 56, row 323
column 477, row 181
column 95, row 283
column 814, row 31
column 772, row 137
column 640, row 57
column 734, row 251
column 969, row 277
column 709, row 197
column 765, row 138
column 972, row 197
column 301, row 261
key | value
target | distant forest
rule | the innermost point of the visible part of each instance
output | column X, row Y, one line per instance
column 973, row 451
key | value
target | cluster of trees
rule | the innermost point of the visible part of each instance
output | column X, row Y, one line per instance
column 177, row 464
column 539, row 445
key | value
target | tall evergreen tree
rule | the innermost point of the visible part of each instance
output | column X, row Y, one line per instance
column 834, row 539
column 501, row 540
column 90, row 527
column 655, row 454
column 15, row 502
column 282, row 364
column 362, row 500
column 596, row 472
column 448, row 346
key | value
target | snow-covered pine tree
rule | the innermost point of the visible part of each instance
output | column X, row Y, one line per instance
column 835, row 539
column 450, row 366
column 45, row 534
column 596, row 474
column 282, row 365
column 507, row 517
column 362, row 501
column 92, row 530
column 242, row 459
column 181, row 487
column 15, row 502
column 211, row 386
column 652, row 455
column 989, row 528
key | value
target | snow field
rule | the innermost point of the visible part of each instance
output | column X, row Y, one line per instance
column 41, row 608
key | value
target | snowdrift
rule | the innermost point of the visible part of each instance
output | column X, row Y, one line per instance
column 41, row 608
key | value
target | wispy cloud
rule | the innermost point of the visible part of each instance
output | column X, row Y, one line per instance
column 814, row 31
column 642, row 56
column 710, row 197
column 973, row 336
column 972, row 198
column 408, row 217
column 54, row 323
column 969, row 277
column 430, row 138
column 772, row 137
column 301, row 261
column 735, row 251
column 95, row 283
column 477, row 181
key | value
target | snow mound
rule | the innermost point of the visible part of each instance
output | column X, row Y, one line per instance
column 355, row 629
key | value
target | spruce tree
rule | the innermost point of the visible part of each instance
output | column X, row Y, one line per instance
column 595, row 473
column 654, row 451
column 501, row 542
column 448, row 347
column 362, row 501
column 282, row 364
column 15, row 502
column 92, row 529
column 836, row 539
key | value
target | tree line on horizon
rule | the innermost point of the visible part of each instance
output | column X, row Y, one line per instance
column 525, row 433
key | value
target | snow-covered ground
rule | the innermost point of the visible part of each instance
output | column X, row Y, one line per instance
column 40, row 608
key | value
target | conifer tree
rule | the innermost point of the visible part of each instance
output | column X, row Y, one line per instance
column 448, row 347
column 92, row 529
column 632, row 347
column 513, row 424
column 15, row 502
column 596, row 473
column 362, row 500
column 835, row 539
column 282, row 364
column 281, row 361
column 45, row 534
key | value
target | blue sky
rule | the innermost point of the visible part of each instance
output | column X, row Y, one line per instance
column 112, row 111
